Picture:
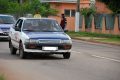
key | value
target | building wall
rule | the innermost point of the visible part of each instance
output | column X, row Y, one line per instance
column 103, row 30
column 71, row 6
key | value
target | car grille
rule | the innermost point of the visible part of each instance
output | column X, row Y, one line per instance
column 3, row 34
column 51, row 41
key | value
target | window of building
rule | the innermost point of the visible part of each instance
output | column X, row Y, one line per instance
column 72, row 13
column 69, row 13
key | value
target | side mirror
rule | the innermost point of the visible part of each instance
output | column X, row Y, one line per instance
column 17, row 28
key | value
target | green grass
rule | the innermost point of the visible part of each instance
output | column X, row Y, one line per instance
column 108, row 38
column 88, row 34
column 2, row 77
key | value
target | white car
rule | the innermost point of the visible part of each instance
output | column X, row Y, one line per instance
column 32, row 35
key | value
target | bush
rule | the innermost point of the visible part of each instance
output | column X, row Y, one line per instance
column 3, row 6
column 13, row 7
column 113, row 5
column 88, row 11
column 2, row 77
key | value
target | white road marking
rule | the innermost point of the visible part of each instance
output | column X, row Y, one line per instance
column 102, row 57
column 111, row 59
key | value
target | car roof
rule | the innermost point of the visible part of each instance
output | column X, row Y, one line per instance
column 24, row 18
column 6, row 15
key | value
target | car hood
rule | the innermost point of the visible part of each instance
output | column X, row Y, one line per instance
column 47, row 35
column 5, row 26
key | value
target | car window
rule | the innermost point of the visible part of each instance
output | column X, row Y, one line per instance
column 7, row 20
column 19, row 24
column 42, row 25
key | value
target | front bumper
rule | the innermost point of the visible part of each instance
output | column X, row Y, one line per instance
column 41, row 51
column 57, row 48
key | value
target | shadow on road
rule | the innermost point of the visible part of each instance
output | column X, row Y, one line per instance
column 42, row 57
column 3, row 40
column 5, row 54
column 8, row 56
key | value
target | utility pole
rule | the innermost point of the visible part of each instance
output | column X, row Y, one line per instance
column 78, row 6
column 77, row 16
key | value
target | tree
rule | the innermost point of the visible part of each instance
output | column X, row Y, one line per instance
column 3, row 6
column 113, row 5
column 28, row 6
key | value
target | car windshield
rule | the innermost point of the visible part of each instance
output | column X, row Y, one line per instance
column 41, row 25
column 6, row 20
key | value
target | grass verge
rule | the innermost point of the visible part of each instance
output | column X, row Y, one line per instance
column 97, row 37
column 2, row 77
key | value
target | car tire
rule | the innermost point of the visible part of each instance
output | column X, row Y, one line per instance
column 22, row 54
column 66, row 55
column 12, row 49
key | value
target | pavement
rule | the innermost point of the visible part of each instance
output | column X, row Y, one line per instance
column 89, row 61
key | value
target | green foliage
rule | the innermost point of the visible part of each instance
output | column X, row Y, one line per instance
column 90, row 34
column 97, row 37
column 13, row 8
column 3, row 6
column 2, row 77
column 33, row 6
column 46, row 10
column 113, row 5
column 88, row 11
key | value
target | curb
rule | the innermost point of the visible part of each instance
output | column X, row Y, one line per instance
column 96, row 41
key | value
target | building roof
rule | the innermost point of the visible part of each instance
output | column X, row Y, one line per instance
column 63, row 1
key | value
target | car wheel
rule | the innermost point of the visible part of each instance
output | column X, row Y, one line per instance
column 12, row 49
column 22, row 54
column 66, row 55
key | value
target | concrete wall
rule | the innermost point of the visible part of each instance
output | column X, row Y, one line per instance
column 115, row 30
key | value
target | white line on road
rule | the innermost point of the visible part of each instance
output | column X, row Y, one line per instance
column 106, row 58
column 111, row 59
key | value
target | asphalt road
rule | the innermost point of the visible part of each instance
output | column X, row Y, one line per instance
column 89, row 61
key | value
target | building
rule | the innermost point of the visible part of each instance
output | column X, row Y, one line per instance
column 68, row 7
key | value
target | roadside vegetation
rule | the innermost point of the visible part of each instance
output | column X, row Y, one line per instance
column 97, row 37
column 27, row 7
column 113, row 5
column 2, row 77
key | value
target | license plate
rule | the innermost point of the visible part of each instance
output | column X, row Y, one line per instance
column 50, row 48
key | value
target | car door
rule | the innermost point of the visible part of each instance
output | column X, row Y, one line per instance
column 17, row 33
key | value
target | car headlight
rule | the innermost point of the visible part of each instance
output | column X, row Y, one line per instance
column 66, row 41
column 30, row 43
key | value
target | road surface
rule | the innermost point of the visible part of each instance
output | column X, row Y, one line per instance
column 89, row 61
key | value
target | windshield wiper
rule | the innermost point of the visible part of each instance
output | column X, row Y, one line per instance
column 47, row 31
column 27, row 30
